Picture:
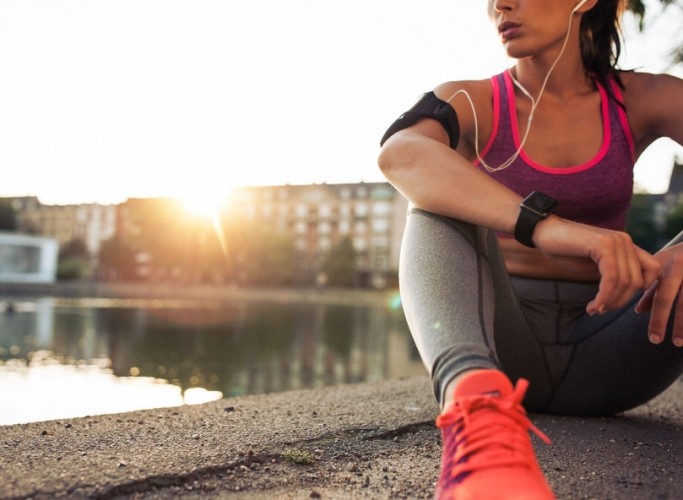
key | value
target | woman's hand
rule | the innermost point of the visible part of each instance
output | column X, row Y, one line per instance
column 624, row 267
column 660, row 297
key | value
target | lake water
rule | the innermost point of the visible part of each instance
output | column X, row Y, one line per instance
column 63, row 358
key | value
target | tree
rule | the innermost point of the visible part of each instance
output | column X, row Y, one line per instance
column 674, row 223
column 117, row 259
column 264, row 257
column 74, row 260
column 74, row 249
column 639, row 9
column 339, row 265
column 640, row 223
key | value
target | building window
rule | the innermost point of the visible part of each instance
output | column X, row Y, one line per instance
column 380, row 225
column 360, row 244
column 381, row 208
column 361, row 210
column 380, row 242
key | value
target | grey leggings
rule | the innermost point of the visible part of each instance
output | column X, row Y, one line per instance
column 465, row 312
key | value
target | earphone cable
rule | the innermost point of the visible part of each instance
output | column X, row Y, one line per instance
column 534, row 104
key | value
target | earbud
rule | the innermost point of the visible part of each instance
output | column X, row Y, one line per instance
column 578, row 5
column 534, row 103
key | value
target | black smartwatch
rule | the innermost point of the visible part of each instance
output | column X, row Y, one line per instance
column 534, row 208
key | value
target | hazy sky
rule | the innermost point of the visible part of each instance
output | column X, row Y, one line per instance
column 101, row 100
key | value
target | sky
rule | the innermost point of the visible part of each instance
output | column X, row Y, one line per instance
column 102, row 100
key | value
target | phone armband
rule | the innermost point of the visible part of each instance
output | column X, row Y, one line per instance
column 429, row 106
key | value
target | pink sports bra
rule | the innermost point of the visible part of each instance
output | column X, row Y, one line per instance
column 598, row 192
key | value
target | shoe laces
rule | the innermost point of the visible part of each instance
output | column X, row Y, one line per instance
column 488, row 431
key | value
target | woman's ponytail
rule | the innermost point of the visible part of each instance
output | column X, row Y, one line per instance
column 601, row 40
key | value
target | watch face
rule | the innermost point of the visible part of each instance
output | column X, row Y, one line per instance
column 540, row 203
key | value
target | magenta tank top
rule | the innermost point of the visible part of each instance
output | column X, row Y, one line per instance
column 597, row 193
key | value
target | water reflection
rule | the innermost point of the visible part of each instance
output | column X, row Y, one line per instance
column 175, row 347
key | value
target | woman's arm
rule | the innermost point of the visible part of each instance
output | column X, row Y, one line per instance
column 420, row 164
column 432, row 176
column 654, row 104
column 655, row 107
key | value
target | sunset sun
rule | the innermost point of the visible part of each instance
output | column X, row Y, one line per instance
column 205, row 203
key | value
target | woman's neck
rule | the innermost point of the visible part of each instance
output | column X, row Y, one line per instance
column 568, row 77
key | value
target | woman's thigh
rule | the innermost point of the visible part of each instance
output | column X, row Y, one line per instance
column 613, row 366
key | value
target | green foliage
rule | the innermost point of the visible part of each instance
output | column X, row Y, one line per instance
column 263, row 257
column 298, row 457
column 72, row 268
column 74, row 249
column 640, row 223
column 339, row 265
column 639, row 8
column 74, row 261
column 674, row 223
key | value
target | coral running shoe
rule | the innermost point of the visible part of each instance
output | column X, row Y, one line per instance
column 487, row 451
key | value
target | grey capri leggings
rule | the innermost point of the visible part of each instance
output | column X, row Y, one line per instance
column 465, row 312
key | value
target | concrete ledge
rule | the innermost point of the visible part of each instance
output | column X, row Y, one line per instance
column 89, row 289
column 362, row 441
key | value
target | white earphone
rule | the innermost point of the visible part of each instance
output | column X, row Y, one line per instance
column 534, row 104
column 578, row 5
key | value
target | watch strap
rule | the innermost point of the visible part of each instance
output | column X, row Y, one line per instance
column 526, row 223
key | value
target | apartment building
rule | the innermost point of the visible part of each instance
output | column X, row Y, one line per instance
column 91, row 223
column 318, row 216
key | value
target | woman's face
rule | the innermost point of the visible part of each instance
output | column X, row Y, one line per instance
column 529, row 27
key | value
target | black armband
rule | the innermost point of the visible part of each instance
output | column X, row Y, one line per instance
column 429, row 106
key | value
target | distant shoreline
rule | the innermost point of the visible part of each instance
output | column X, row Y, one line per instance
column 209, row 292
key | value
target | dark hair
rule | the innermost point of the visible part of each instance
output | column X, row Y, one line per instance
column 601, row 40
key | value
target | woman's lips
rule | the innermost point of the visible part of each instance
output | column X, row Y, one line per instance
column 508, row 30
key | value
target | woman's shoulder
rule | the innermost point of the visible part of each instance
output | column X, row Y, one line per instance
column 654, row 104
column 462, row 95
column 643, row 85
column 448, row 91
column 469, row 97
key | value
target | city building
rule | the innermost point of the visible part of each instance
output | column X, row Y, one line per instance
column 316, row 218
column 27, row 259
column 90, row 223
column 319, row 216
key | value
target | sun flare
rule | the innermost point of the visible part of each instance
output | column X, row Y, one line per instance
column 207, row 203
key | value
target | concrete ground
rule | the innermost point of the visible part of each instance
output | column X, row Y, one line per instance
column 363, row 441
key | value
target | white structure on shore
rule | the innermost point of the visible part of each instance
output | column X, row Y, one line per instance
column 27, row 259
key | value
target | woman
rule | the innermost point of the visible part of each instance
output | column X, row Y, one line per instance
column 518, row 267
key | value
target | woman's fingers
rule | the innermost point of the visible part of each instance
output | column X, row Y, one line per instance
column 644, row 305
column 650, row 268
column 665, row 298
column 624, row 269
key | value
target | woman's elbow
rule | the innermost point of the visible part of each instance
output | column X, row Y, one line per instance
column 394, row 156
